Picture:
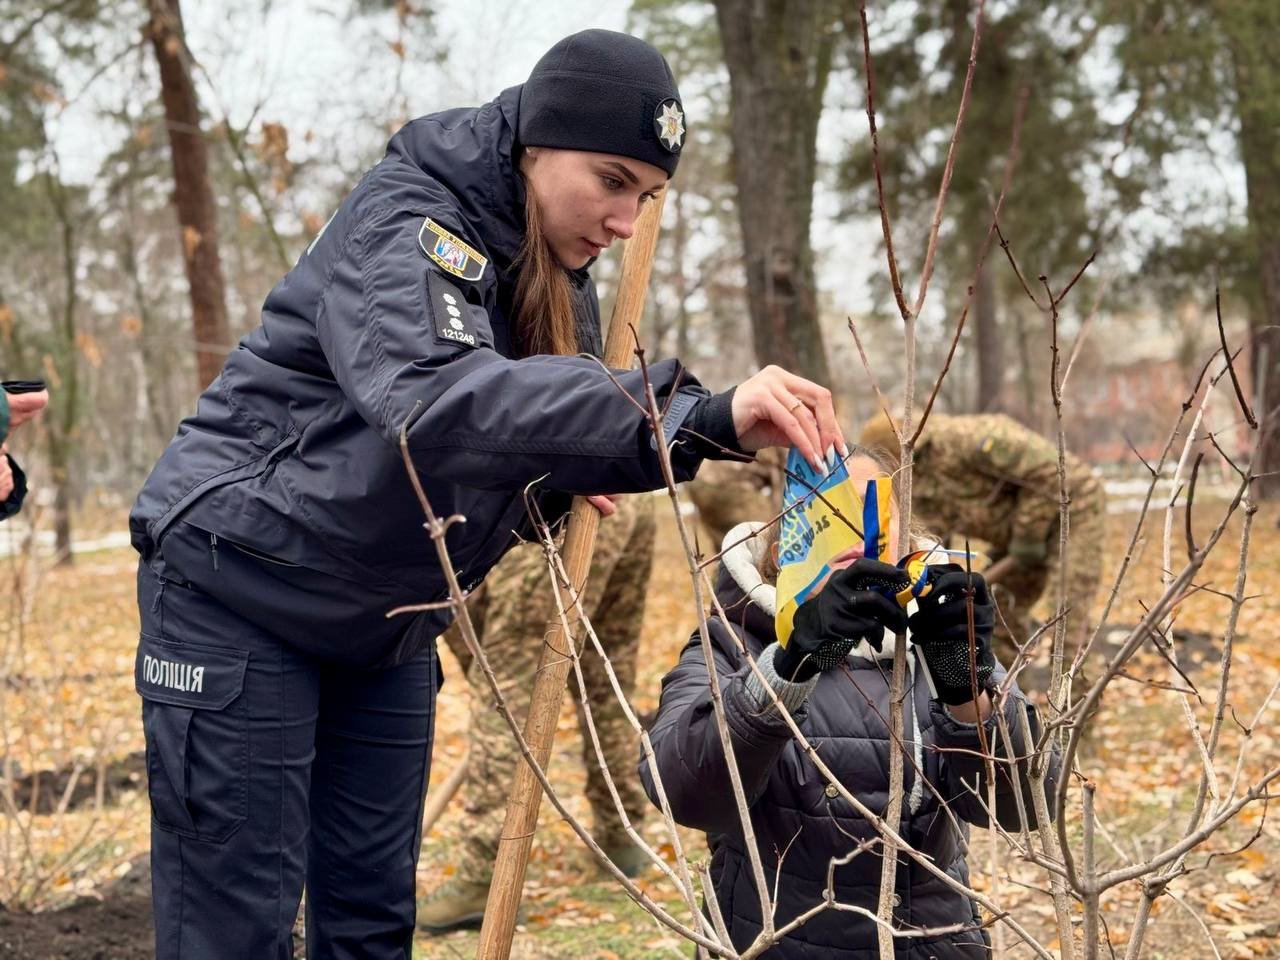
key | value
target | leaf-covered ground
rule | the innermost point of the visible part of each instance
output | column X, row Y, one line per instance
column 67, row 705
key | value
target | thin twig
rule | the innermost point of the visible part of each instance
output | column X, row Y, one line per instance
column 948, row 168
column 895, row 278
column 1235, row 381
column 871, row 378
column 1011, row 161
column 1191, row 499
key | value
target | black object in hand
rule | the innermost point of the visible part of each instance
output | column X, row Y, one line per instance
column 857, row 603
column 22, row 386
column 940, row 628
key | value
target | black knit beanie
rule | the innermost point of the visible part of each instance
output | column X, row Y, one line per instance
column 606, row 92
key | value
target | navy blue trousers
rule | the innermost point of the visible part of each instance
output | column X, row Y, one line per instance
column 272, row 764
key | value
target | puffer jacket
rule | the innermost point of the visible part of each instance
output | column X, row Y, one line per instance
column 794, row 810
column 400, row 313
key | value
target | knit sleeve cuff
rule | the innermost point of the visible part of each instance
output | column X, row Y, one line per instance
column 792, row 695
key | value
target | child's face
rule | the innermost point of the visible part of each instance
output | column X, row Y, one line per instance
column 862, row 469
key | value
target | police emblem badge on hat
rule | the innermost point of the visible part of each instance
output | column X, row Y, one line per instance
column 668, row 122
column 451, row 253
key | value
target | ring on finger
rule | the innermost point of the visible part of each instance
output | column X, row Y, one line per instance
column 795, row 406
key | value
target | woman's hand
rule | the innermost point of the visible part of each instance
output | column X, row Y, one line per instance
column 775, row 408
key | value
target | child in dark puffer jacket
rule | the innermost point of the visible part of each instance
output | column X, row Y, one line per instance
column 841, row 703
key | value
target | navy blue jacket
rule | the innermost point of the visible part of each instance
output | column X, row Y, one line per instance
column 799, row 822
column 294, row 449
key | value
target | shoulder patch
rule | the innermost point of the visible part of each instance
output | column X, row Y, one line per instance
column 450, row 313
column 449, row 252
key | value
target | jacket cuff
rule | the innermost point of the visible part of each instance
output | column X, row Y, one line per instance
column 680, row 410
column 712, row 422
column 792, row 695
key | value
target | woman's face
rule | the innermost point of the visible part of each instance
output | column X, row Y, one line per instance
column 587, row 199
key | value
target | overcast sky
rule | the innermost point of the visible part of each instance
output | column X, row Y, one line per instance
column 302, row 64
column 335, row 85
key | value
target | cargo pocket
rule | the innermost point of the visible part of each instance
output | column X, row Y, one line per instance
column 197, row 735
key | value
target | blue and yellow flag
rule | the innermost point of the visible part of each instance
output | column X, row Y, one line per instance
column 825, row 517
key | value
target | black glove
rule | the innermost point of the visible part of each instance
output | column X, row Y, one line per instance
column 940, row 628
column 856, row 603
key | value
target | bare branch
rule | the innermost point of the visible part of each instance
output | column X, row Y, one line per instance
column 894, row 276
column 1011, row 161
column 932, row 248
column 1226, row 352
column 1191, row 498
column 871, row 378
column 1013, row 262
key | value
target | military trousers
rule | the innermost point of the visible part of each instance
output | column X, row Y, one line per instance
column 1022, row 588
column 511, row 615
column 270, row 766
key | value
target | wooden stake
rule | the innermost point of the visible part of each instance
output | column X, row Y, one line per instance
column 553, row 669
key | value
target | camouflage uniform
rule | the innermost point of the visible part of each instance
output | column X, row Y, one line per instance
column 511, row 615
column 990, row 478
column 727, row 493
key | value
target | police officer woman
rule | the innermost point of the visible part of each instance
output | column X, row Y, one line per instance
column 288, row 721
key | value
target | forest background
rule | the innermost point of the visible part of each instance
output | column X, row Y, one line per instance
column 157, row 177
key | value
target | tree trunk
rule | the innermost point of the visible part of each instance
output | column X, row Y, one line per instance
column 989, row 347
column 680, row 247
column 63, row 499
column 152, row 408
column 1252, row 28
column 1029, row 378
column 63, row 424
column 779, row 57
column 192, row 194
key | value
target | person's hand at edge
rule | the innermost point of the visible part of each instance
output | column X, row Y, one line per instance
column 606, row 503
column 6, row 474
column 25, row 406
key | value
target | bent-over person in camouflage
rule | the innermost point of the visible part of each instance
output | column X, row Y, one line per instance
column 989, row 478
column 510, row 613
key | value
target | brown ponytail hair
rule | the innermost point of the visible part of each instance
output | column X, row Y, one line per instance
column 543, row 300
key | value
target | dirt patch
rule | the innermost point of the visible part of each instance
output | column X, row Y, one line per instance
column 118, row 928
column 47, row 790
